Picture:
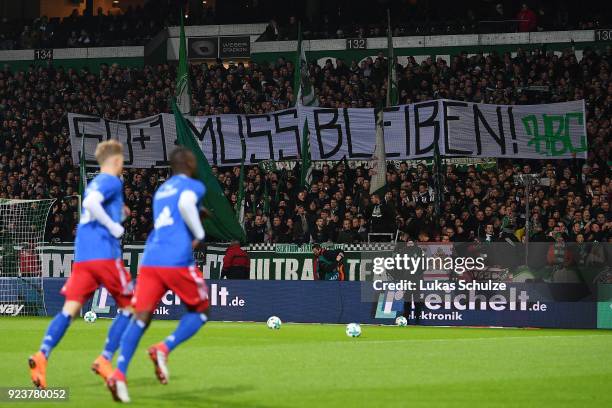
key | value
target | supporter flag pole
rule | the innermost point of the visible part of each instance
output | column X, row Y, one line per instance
column 82, row 171
column 378, row 183
column 183, row 91
column 266, row 167
column 266, row 203
column 297, row 68
column 306, row 164
column 379, row 158
column 392, row 94
column 438, row 179
column 222, row 223
column 281, row 175
column 305, row 97
column 240, row 203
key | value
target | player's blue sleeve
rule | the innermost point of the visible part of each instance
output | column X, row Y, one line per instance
column 107, row 186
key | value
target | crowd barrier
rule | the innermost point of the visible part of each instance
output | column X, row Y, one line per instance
column 569, row 291
column 343, row 302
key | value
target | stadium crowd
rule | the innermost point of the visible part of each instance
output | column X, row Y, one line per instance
column 134, row 27
column 361, row 20
column 330, row 19
column 485, row 204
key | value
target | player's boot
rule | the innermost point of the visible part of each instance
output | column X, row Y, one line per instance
column 38, row 369
column 102, row 367
column 117, row 385
column 158, row 354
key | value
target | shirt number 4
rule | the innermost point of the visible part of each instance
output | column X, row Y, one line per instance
column 164, row 218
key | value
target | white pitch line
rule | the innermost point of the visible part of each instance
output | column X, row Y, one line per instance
column 365, row 341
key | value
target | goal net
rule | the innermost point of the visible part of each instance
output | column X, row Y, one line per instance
column 22, row 231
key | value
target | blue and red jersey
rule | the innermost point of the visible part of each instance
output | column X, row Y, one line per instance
column 169, row 244
column 93, row 240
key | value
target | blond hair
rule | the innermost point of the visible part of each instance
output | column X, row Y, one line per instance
column 107, row 149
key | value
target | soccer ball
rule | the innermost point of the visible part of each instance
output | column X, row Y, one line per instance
column 90, row 316
column 401, row 321
column 274, row 323
column 353, row 330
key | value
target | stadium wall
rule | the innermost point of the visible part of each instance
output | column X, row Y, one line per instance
column 422, row 47
column 164, row 47
column 76, row 58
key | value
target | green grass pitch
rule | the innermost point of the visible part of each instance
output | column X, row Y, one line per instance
column 248, row 365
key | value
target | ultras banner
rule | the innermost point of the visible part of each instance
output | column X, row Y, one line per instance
column 546, row 131
column 268, row 261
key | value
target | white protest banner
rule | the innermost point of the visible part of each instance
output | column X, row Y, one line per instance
column 411, row 130
column 147, row 142
column 336, row 133
column 546, row 131
column 271, row 136
column 462, row 129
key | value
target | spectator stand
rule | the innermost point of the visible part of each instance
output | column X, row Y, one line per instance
column 35, row 160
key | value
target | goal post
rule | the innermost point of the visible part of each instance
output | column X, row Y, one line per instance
column 22, row 232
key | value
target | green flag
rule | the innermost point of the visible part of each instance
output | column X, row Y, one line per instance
column 438, row 179
column 241, row 199
column 281, row 181
column 378, row 182
column 379, row 159
column 301, row 81
column 82, row 168
column 392, row 94
column 266, row 206
column 305, row 97
column 82, row 173
column 222, row 223
column 306, row 163
column 183, row 91
column 266, row 166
